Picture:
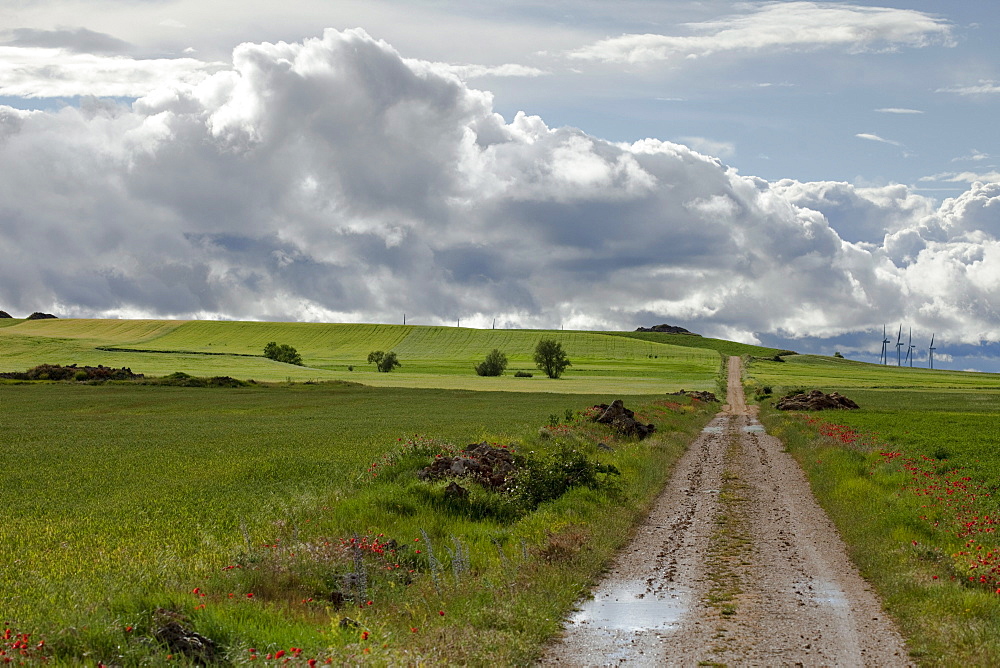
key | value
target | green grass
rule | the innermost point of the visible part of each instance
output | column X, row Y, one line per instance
column 694, row 341
column 905, row 517
column 119, row 499
column 432, row 357
column 814, row 371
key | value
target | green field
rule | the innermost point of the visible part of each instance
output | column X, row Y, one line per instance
column 432, row 357
column 695, row 341
column 121, row 499
column 234, row 509
column 135, row 487
column 911, row 481
column 814, row 371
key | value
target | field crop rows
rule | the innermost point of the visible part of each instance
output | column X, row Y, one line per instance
column 694, row 341
column 433, row 357
column 912, row 481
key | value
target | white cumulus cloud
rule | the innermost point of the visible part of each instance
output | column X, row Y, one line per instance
column 721, row 149
column 332, row 179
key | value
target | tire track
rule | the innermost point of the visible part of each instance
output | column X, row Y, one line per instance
column 735, row 565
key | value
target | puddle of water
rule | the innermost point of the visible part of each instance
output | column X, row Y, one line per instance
column 629, row 607
column 754, row 429
column 710, row 429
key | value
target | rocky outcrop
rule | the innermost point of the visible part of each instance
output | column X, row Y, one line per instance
column 621, row 419
column 666, row 329
column 815, row 400
column 41, row 316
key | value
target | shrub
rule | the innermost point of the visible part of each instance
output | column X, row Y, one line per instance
column 523, row 374
column 551, row 358
column 225, row 381
column 72, row 372
column 282, row 353
column 541, row 478
column 494, row 364
column 181, row 379
column 383, row 361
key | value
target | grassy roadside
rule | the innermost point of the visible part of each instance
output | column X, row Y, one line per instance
column 910, row 482
column 290, row 520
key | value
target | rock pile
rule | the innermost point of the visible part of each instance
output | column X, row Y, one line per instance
column 621, row 419
column 815, row 400
column 170, row 630
column 487, row 464
column 697, row 394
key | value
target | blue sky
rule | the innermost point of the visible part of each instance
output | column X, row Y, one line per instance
column 783, row 172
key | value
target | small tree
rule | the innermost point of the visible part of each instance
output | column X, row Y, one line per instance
column 494, row 364
column 551, row 358
column 383, row 361
column 282, row 353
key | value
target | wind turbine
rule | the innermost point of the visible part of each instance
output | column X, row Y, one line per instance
column 899, row 344
column 930, row 352
column 910, row 347
column 883, row 357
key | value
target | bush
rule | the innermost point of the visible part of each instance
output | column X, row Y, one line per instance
column 72, row 372
column 181, row 379
column 494, row 364
column 551, row 358
column 383, row 361
column 541, row 478
column 282, row 353
column 523, row 374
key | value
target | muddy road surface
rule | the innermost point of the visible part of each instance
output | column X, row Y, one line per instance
column 736, row 565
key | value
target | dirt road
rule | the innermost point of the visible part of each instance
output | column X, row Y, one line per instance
column 736, row 565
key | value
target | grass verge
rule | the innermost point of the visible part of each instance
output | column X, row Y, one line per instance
column 910, row 483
